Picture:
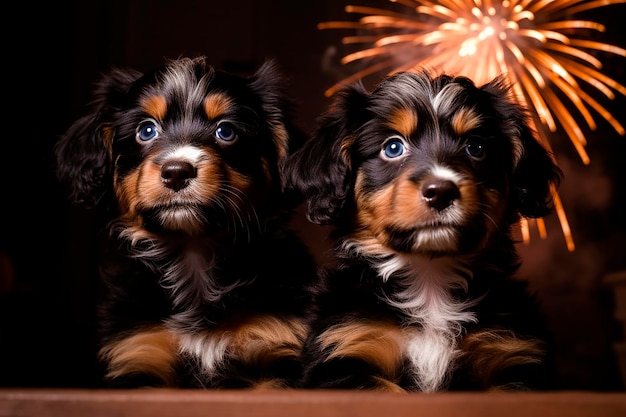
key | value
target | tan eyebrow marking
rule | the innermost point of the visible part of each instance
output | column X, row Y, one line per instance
column 217, row 105
column 464, row 121
column 155, row 106
column 404, row 121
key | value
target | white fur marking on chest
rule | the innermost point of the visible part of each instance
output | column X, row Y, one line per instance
column 209, row 349
column 435, row 318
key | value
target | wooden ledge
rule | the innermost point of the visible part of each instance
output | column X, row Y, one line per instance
column 296, row 403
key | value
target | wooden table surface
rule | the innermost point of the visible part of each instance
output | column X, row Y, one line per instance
column 172, row 403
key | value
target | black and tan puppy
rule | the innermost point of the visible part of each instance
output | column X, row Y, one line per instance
column 205, row 286
column 423, row 179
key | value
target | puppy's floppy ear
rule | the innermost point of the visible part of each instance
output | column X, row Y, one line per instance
column 83, row 153
column 321, row 170
column 535, row 177
column 270, row 86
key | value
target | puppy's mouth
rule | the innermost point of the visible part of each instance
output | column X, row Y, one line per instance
column 215, row 218
column 177, row 209
column 432, row 239
column 178, row 216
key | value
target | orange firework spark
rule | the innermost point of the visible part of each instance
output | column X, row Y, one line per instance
column 537, row 43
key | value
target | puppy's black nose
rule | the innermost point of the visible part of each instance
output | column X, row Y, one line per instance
column 176, row 174
column 439, row 194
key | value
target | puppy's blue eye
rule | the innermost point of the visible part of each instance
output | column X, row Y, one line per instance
column 475, row 149
column 393, row 148
column 147, row 130
column 226, row 132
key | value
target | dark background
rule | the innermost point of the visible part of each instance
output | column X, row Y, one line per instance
column 55, row 51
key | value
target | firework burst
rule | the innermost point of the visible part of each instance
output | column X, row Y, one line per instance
column 539, row 44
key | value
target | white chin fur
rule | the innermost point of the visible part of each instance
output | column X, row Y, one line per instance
column 184, row 219
column 437, row 239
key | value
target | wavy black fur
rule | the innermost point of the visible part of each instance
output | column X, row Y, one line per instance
column 424, row 179
column 204, row 284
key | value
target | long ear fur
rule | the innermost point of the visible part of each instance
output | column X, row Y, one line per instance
column 270, row 85
column 535, row 178
column 535, row 174
column 83, row 152
column 320, row 171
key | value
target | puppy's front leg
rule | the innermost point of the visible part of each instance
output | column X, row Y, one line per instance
column 364, row 354
column 499, row 359
column 268, row 350
column 145, row 357
column 247, row 351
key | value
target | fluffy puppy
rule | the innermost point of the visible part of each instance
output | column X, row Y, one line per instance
column 205, row 286
column 423, row 179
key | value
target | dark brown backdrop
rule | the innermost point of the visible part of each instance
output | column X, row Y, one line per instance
column 54, row 51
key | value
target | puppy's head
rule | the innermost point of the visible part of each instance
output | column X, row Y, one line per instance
column 185, row 148
column 423, row 164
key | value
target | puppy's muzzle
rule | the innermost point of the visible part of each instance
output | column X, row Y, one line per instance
column 439, row 194
column 177, row 174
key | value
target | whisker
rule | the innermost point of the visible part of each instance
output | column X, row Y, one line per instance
column 246, row 204
column 484, row 210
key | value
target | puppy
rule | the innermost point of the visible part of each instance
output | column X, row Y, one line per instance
column 423, row 179
column 205, row 286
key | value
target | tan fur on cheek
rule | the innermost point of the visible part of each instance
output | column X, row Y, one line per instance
column 377, row 343
column 152, row 352
column 125, row 192
column 239, row 181
column 470, row 200
column 368, row 206
column 373, row 211
column 407, row 204
column 398, row 204
column 248, row 191
column 491, row 203
column 141, row 187
column 149, row 184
